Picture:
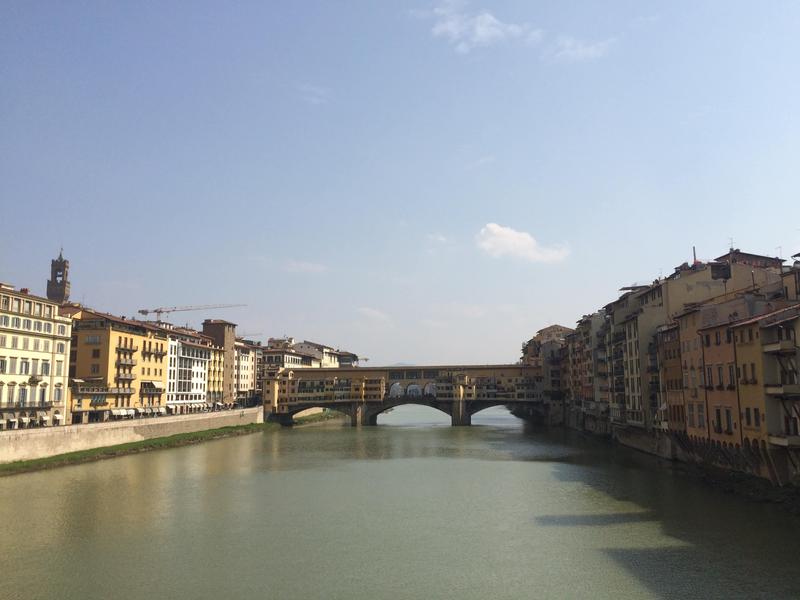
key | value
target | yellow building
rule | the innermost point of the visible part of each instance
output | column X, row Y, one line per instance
column 34, row 354
column 118, row 366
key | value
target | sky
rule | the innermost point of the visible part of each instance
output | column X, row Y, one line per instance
column 421, row 182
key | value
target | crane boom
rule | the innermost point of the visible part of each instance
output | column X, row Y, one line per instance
column 169, row 309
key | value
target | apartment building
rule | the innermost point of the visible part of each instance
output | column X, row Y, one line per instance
column 118, row 367
column 34, row 356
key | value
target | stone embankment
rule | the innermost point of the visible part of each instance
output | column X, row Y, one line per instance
column 30, row 444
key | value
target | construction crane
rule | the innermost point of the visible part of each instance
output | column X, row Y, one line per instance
column 170, row 309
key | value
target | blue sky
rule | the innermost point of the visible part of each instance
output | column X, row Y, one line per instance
column 416, row 182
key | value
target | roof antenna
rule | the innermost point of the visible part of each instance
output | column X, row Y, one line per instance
column 694, row 255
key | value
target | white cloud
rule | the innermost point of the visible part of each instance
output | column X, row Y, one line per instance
column 300, row 266
column 314, row 94
column 438, row 238
column 467, row 30
column 373, row 314
column 569, row 49
column 499, row 241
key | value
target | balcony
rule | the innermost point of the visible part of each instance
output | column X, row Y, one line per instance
column 125, row 376
column 780, row 347
column 782, row 389
column 126, row 362
column 129, row 349
column 786, row 441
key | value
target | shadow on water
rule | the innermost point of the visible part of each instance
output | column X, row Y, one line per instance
column 724, row 546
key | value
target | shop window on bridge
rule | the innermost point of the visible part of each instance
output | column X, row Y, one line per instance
column 430, row 374
column 396, row 375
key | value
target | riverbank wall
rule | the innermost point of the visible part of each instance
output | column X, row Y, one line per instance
column 777, row 465
column 30, row 444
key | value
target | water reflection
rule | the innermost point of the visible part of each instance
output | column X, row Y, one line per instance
column 408, row 510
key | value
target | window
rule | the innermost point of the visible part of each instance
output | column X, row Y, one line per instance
column 57, row 395
column 45, row 367
column 748, row 417
column 22, row 395
column 728, row 421
column 95, row 368
column 36, row 344
column 62, row 330
column 92, row 339
column 719, row 376
column 24, row 367
column 48, row 328
column 717, row 340
column 750, row 335
column 709, row 377
column 37, row 326
column 701, row 415
column 60, row 348
column 27, row 324
column 4, row 321
column 728, row 336
column 59, row 368
column 95, row 352
column 757, row 417
column 15, row 322
column 731, row 375
column 691, row 414
column 2, row 365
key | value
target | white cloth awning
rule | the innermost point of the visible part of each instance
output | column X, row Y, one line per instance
column 44, row 418
column 58, row 417
column 12, row 420
column 139, row 410
column 24, row 420
column 218, row 404
column 2, row 421
column 130, row 412
column 162, row 410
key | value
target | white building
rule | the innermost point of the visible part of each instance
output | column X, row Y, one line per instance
column 187, row 372
column 34, row 359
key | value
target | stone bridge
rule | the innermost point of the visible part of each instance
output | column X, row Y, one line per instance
column 362, row 393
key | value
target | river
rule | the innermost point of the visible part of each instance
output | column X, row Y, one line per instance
column 412, row 508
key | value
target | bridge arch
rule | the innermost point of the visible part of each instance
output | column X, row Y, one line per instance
column 287, row 418
column 371, row 416
column 397, row 390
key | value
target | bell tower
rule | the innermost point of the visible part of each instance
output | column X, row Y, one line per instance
column 58, row 284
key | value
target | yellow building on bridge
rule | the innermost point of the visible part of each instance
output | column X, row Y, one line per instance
column 364, row 392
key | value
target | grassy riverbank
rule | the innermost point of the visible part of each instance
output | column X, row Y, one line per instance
column 171, row 441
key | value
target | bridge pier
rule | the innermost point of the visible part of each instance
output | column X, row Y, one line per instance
column 459, row 415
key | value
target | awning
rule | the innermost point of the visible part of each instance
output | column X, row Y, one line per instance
column 162, row 410
column 118, row 412
column 12, row 420
column 139, row 411
column 24, row 420
column 219, row 404
column 148, row 411
column 45, row 418
column 130, row 412
column 58, row 417
column 2, row 421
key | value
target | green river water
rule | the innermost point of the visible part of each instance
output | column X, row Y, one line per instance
column 412, row 508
